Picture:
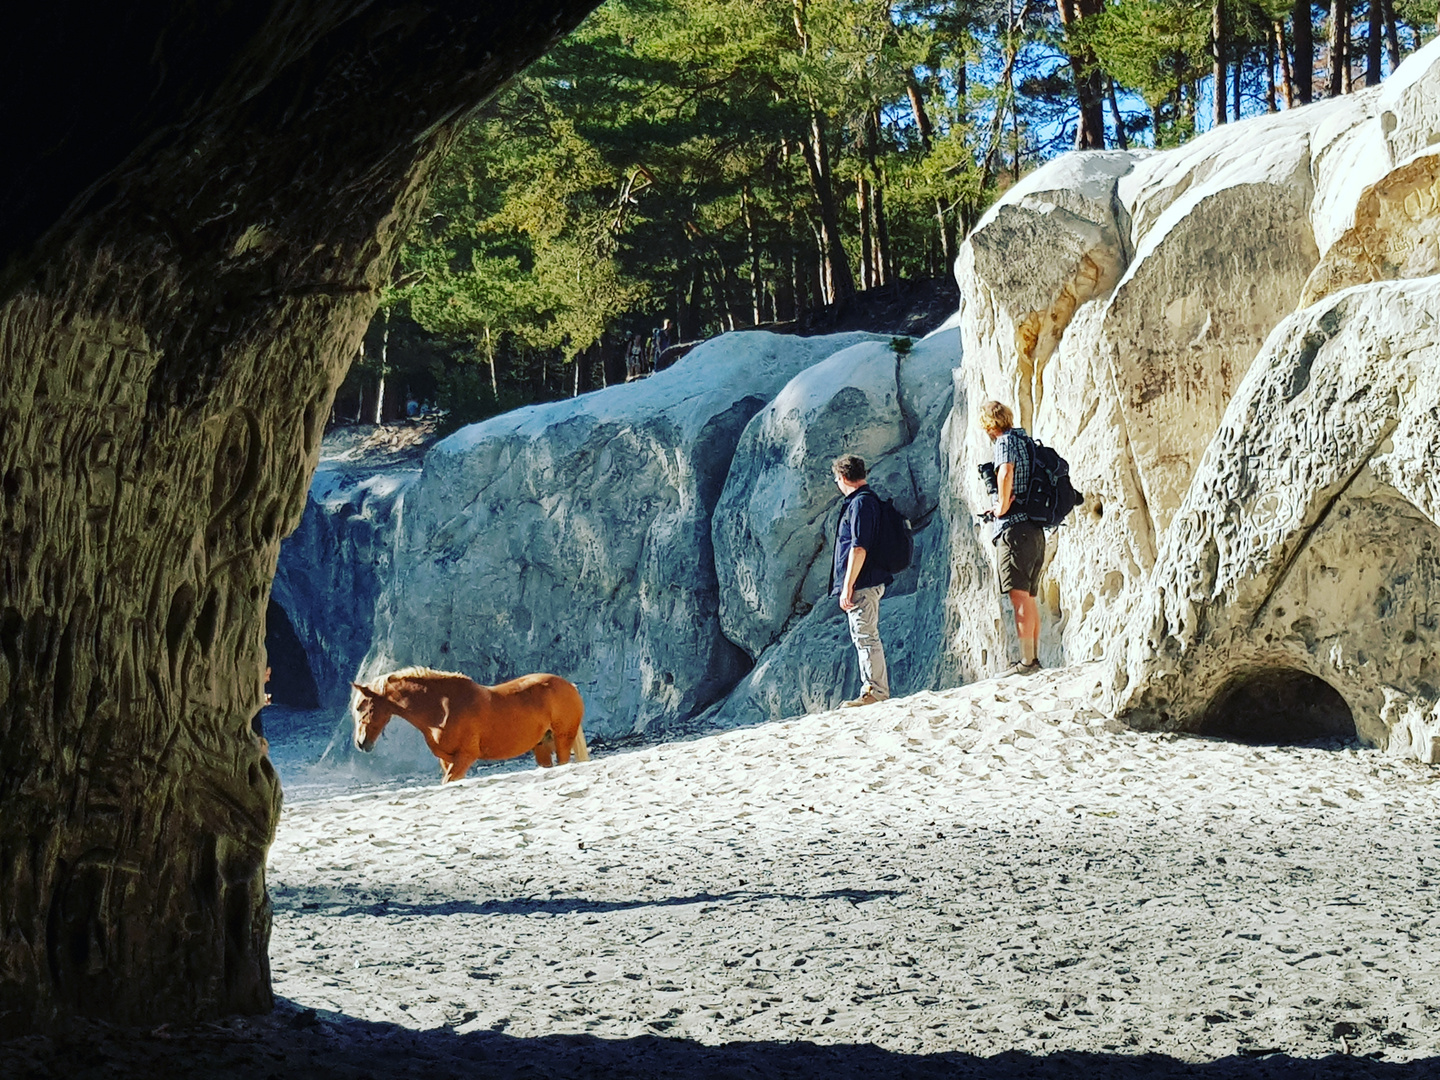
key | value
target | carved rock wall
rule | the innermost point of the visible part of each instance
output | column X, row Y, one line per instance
column 775, row 523
column 201, row 205
column 1310, row 539
column 1259, row 514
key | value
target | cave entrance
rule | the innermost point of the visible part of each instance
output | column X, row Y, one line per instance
column 1278, row 706
column 291, row 680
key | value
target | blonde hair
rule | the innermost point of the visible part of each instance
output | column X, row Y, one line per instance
column 996, row 417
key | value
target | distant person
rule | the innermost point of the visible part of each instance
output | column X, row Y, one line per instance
column 858, row 580
column 635, row 357
column 660, row 341
column 412, row 409
column 1019, row 542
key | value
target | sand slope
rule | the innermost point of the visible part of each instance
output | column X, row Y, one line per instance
column 976, row 870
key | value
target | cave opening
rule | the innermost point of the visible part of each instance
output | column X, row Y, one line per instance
column 1278, row 707
column 292, row 682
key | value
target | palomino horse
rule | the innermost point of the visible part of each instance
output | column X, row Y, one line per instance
column 464, row 722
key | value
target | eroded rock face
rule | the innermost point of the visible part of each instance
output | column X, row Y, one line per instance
column 776, row 516
column 1309, row 541
column 200, row 210
column 775, row 524
column 574, row 537
column 333, row 569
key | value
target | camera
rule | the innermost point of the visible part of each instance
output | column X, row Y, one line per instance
column 987, row 475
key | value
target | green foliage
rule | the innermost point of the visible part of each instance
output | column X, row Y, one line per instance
column 679, row 158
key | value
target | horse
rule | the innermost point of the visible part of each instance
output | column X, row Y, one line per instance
column 464, row 722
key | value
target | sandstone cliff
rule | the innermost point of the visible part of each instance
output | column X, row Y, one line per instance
column 1229, row 403
column 333, row 568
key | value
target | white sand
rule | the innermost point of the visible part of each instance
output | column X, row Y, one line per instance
column 978, row 870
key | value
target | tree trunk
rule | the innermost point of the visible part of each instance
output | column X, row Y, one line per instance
column 884, row 265
column 917, row 109
column 1374, row 42
column 1338, row 40
column 1089, row 78
column 875, row 198
column 1217, row 61
column 490, row 356
column 1304, row 52
column 867, row 255
column 945, row 227
column 384, row 367
column 832, row 249
column 757, row 286
column 1392, row 34
column 1287, row 77
column 1122, row 141
column 1236, row 70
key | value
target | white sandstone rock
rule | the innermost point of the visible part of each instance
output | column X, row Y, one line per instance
column 1409, row 104
column 775, row 519
column 775, row 523
column 1308, row 541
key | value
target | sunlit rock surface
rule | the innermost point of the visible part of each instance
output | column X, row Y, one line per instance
column 1221, row 240
column 1308, row 542
column 1228, row 238
column 775, row 524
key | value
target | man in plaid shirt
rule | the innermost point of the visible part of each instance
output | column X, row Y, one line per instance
column 1019, row 542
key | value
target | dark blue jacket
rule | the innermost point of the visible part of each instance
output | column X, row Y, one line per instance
column 859, row 527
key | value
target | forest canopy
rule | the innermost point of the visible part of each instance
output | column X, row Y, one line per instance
column 732, row 163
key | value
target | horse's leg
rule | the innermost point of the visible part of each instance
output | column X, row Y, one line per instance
column 544, row 750
column 458, row 767
column 562, row 750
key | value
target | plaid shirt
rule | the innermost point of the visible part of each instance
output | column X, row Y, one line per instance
column 1013, row 447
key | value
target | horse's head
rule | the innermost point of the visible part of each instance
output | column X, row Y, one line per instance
column 372, row 712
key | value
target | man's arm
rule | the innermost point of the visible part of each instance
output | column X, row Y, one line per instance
column 853, row 562
column 1005, row 483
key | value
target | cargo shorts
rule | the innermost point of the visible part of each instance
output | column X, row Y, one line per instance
column 1020, row 553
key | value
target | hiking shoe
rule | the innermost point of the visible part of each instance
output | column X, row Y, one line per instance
column 869, row 697
column 1022, row 668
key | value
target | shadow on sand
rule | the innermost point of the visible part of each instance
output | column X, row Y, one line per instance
column 301, row 898
column 294, row 1041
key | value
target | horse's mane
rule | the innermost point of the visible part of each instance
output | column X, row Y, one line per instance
column 382, row 682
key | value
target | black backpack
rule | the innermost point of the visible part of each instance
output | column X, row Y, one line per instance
column 897, row 545
column 1051, row 496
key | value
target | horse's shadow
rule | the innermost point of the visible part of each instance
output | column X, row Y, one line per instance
column 299, row 898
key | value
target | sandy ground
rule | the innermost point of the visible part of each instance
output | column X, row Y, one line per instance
column 989, row 881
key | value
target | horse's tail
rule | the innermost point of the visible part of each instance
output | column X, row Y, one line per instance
column 582, row 752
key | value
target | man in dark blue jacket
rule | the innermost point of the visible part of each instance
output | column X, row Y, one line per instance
column 860, row 582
